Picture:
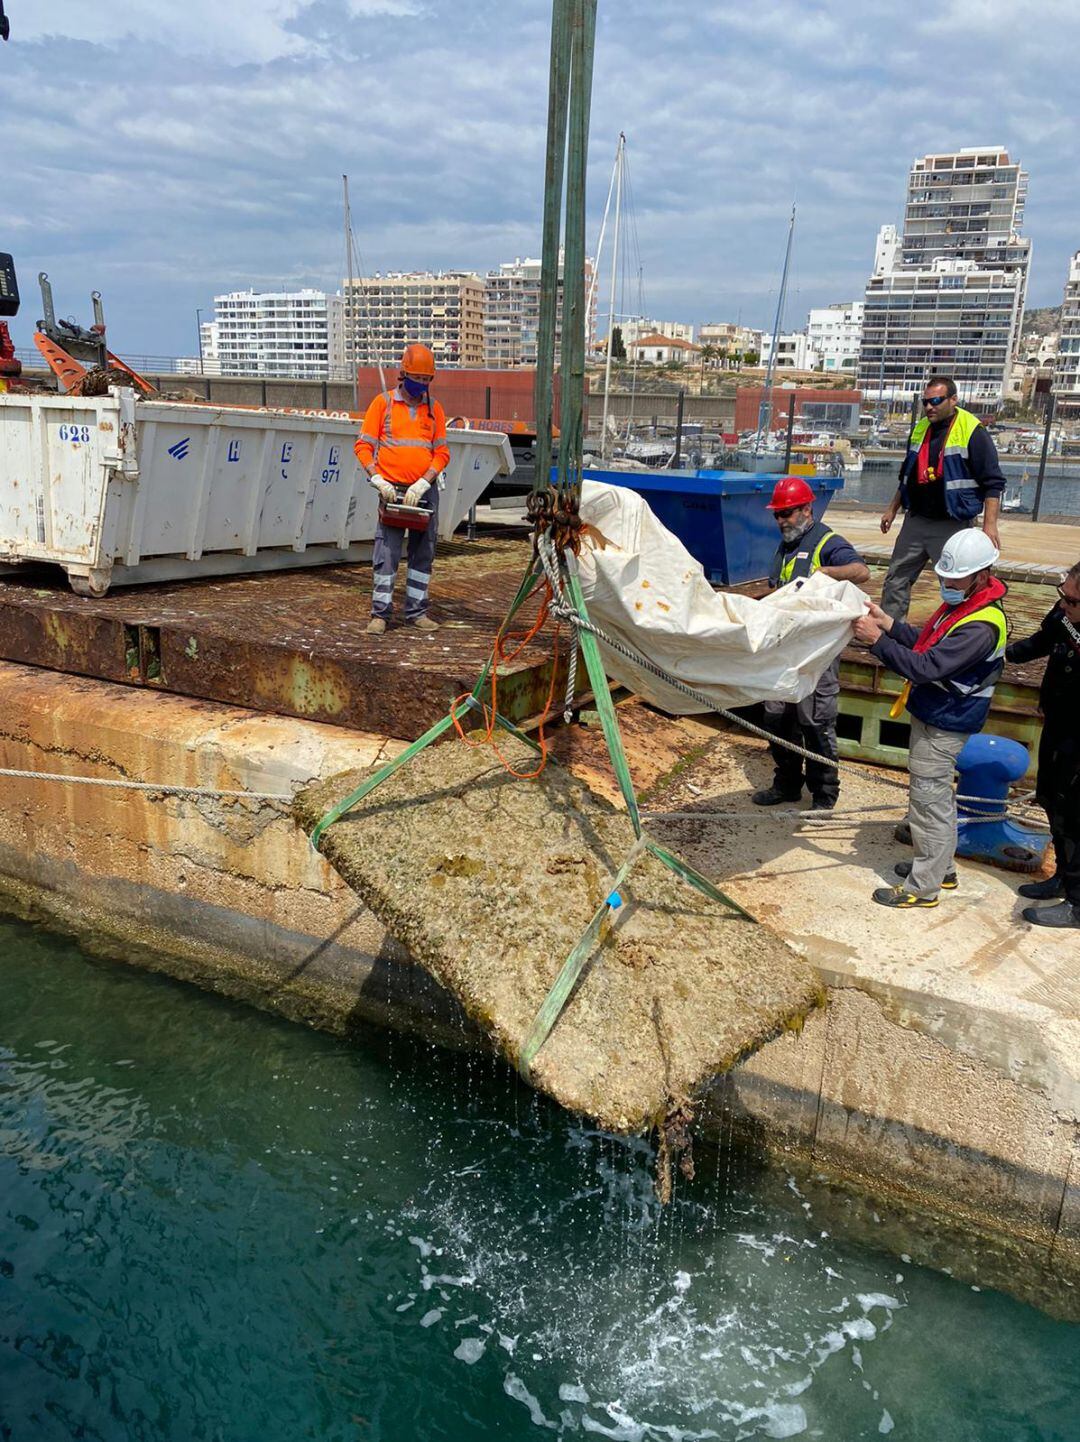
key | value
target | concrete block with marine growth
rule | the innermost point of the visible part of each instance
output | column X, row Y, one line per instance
column 490, row 881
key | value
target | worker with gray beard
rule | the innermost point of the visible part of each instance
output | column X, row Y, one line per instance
column 806, row 546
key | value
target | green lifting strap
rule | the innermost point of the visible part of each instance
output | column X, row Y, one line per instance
column 590, row 650
column 551, row 1007
column 533, row 575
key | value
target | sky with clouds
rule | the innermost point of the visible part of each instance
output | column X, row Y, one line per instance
column 163, row 152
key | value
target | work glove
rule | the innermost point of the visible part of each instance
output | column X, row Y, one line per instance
column 383, row 486
column 416, row 492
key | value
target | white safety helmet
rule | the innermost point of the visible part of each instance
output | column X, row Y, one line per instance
column 965, row 553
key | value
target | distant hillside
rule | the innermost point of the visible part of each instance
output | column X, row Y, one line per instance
column 1042, row 321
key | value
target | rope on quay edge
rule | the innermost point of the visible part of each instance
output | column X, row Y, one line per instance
column 564, row 611
column 162, row 788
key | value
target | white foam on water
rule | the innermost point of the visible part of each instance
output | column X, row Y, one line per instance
column 427, row 1281
column 739, row 1311
column 430, row 1318
column 886, row 1424
column 568, row 1392
column 860, row 1327
column 867, row 1300
column 747, row 1239
column 514, row 1387
column 785, row 1419
column 469, row 1350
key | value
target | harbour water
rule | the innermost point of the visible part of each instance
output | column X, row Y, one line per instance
column 216, row 1225
column 1061, row 484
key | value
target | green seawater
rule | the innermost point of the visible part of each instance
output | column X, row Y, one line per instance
column 216, row 1225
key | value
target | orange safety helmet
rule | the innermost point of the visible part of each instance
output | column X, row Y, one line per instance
column 789, row 492
column 417, row 360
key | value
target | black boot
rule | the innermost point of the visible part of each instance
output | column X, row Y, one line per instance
column 1064, row 914
column 1046, row 890
column 902, row 833
column 773, row 796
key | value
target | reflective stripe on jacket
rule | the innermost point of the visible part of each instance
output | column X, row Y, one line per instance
column 963, row 498
column 962, row 702
column 402, row 441
column 804, row 560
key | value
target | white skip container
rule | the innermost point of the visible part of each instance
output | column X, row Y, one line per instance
column 119, row 490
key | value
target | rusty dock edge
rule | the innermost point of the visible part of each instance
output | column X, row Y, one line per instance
column 289, row 643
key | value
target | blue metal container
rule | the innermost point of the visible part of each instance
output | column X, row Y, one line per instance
column 719, row 516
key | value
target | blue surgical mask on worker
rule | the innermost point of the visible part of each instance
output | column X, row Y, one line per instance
column 952, row 595
column 416, row 389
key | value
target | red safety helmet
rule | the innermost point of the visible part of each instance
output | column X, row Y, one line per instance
column 790, row 491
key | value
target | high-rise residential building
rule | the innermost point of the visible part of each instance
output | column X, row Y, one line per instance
column 948, row 293
column 1067, row 365
column 951, row 317
column 512, row 313
column 967, row 205
column 835, row 333
column 443, row 310
column 271, row 333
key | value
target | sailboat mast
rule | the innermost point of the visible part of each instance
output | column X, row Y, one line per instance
column 350, row 297
column 765, row 411
column 614, row 283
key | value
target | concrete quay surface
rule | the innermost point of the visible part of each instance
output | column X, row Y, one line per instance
column 943, row 1071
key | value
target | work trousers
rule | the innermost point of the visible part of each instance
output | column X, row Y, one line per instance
column 810, row 723
column 932, row 805
column 1059, row 792
column 389, row 542
column 920, row 543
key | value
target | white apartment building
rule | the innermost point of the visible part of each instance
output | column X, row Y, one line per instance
column 887, row 250
column 945, row 292
column 443, row 310
column 729, row 337
column 270, row 333
column 793, row 352
column 1067, row 365
column 512, row 313
column 952, row 318
column 634, row 328
column 835, row 333
column 967, row 205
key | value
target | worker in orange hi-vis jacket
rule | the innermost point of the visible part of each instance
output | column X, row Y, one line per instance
column 402, row 447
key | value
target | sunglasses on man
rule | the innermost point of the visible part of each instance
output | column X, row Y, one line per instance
column 1069, row 600
column 934, row 400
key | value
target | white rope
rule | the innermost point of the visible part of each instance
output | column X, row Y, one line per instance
column 159, row 787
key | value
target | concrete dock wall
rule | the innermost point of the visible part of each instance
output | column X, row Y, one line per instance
column 229, row 895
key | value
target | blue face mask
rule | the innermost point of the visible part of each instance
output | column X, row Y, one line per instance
column 416, row 389
column 951, row 595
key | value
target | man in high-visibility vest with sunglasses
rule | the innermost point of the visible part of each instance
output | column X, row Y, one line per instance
column 949, row 474
column 806, row 546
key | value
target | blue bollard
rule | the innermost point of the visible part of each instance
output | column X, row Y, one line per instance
column 988, row 765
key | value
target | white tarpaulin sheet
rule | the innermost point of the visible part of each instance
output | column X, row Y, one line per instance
column 645, row 588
